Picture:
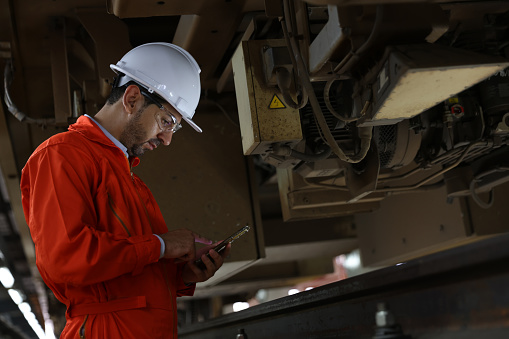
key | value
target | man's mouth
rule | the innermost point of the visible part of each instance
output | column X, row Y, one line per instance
column 153, row 144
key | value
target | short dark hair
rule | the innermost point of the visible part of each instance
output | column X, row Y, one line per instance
column 118, row 92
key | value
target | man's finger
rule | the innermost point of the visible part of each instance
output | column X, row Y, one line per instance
column 185, row 257
column 217, row 259
column 202, row 240
column 209, row 264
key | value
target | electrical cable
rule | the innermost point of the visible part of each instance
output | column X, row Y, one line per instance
column 444, row 158
column 453, row 153
column 409, row 190
column 421, row 168
column 476, row 180
column 286, row 97
column 22, row 117
column 332, row 186
column 365, row 133
column 352, row 57
column 435, row 175
column 476, row 197
column 403, row 176
column 284, row 150
column 223, row 110
column 326, row 98
column 419, row 185
column 283, row 79
column 483, row 123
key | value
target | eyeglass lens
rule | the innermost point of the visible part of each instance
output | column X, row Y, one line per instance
column 167, row 122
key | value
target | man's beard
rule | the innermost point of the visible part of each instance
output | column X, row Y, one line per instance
column 133, row 136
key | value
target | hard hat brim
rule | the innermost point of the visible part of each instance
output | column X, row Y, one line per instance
column 193, row 125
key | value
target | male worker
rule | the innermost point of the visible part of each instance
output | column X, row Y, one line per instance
column 101, row 243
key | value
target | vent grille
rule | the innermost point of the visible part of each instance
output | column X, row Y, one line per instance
column 310, row 125
column 385, row 138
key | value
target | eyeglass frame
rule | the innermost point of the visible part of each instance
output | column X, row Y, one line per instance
column 176, row 125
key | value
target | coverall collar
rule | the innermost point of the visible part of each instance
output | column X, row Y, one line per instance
column 91, row 130
column 111, row 137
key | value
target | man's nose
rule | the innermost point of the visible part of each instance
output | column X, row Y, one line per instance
column 165, row 137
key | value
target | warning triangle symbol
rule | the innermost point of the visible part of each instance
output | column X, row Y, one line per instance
column 276, row 103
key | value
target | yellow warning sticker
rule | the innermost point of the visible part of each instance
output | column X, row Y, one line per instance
column 276, row 103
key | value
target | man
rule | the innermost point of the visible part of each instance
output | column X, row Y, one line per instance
column 101, row 243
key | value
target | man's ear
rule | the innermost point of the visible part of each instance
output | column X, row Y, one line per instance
column 131, row 96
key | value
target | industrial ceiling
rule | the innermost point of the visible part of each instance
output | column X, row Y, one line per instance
column 329, row 126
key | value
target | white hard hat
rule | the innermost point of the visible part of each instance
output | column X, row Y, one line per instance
column 167, row 70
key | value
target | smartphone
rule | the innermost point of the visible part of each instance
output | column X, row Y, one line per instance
column 221, row 246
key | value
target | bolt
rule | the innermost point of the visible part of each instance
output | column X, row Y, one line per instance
column 242, row 334
column 384, row 317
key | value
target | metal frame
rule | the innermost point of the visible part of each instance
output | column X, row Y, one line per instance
column 460, row 293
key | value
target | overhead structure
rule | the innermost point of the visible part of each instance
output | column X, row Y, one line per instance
column 328, row 126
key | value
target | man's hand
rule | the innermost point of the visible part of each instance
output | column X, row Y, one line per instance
column 192, row 273
column 180, row 244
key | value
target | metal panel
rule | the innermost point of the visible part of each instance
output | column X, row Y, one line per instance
column 201, row 182
column 492, row 220
column 300, row 200
column 326, row 42
column 414, row 78
column 410, row 225
column 261, row 125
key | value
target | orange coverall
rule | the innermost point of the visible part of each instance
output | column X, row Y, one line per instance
column 92, row 221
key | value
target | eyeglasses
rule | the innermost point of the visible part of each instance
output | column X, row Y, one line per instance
column 164, row 118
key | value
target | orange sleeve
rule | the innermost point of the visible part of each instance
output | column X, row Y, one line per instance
column 182, row 288
column 58, row 202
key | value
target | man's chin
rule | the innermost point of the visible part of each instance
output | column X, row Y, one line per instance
column 137, row 151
